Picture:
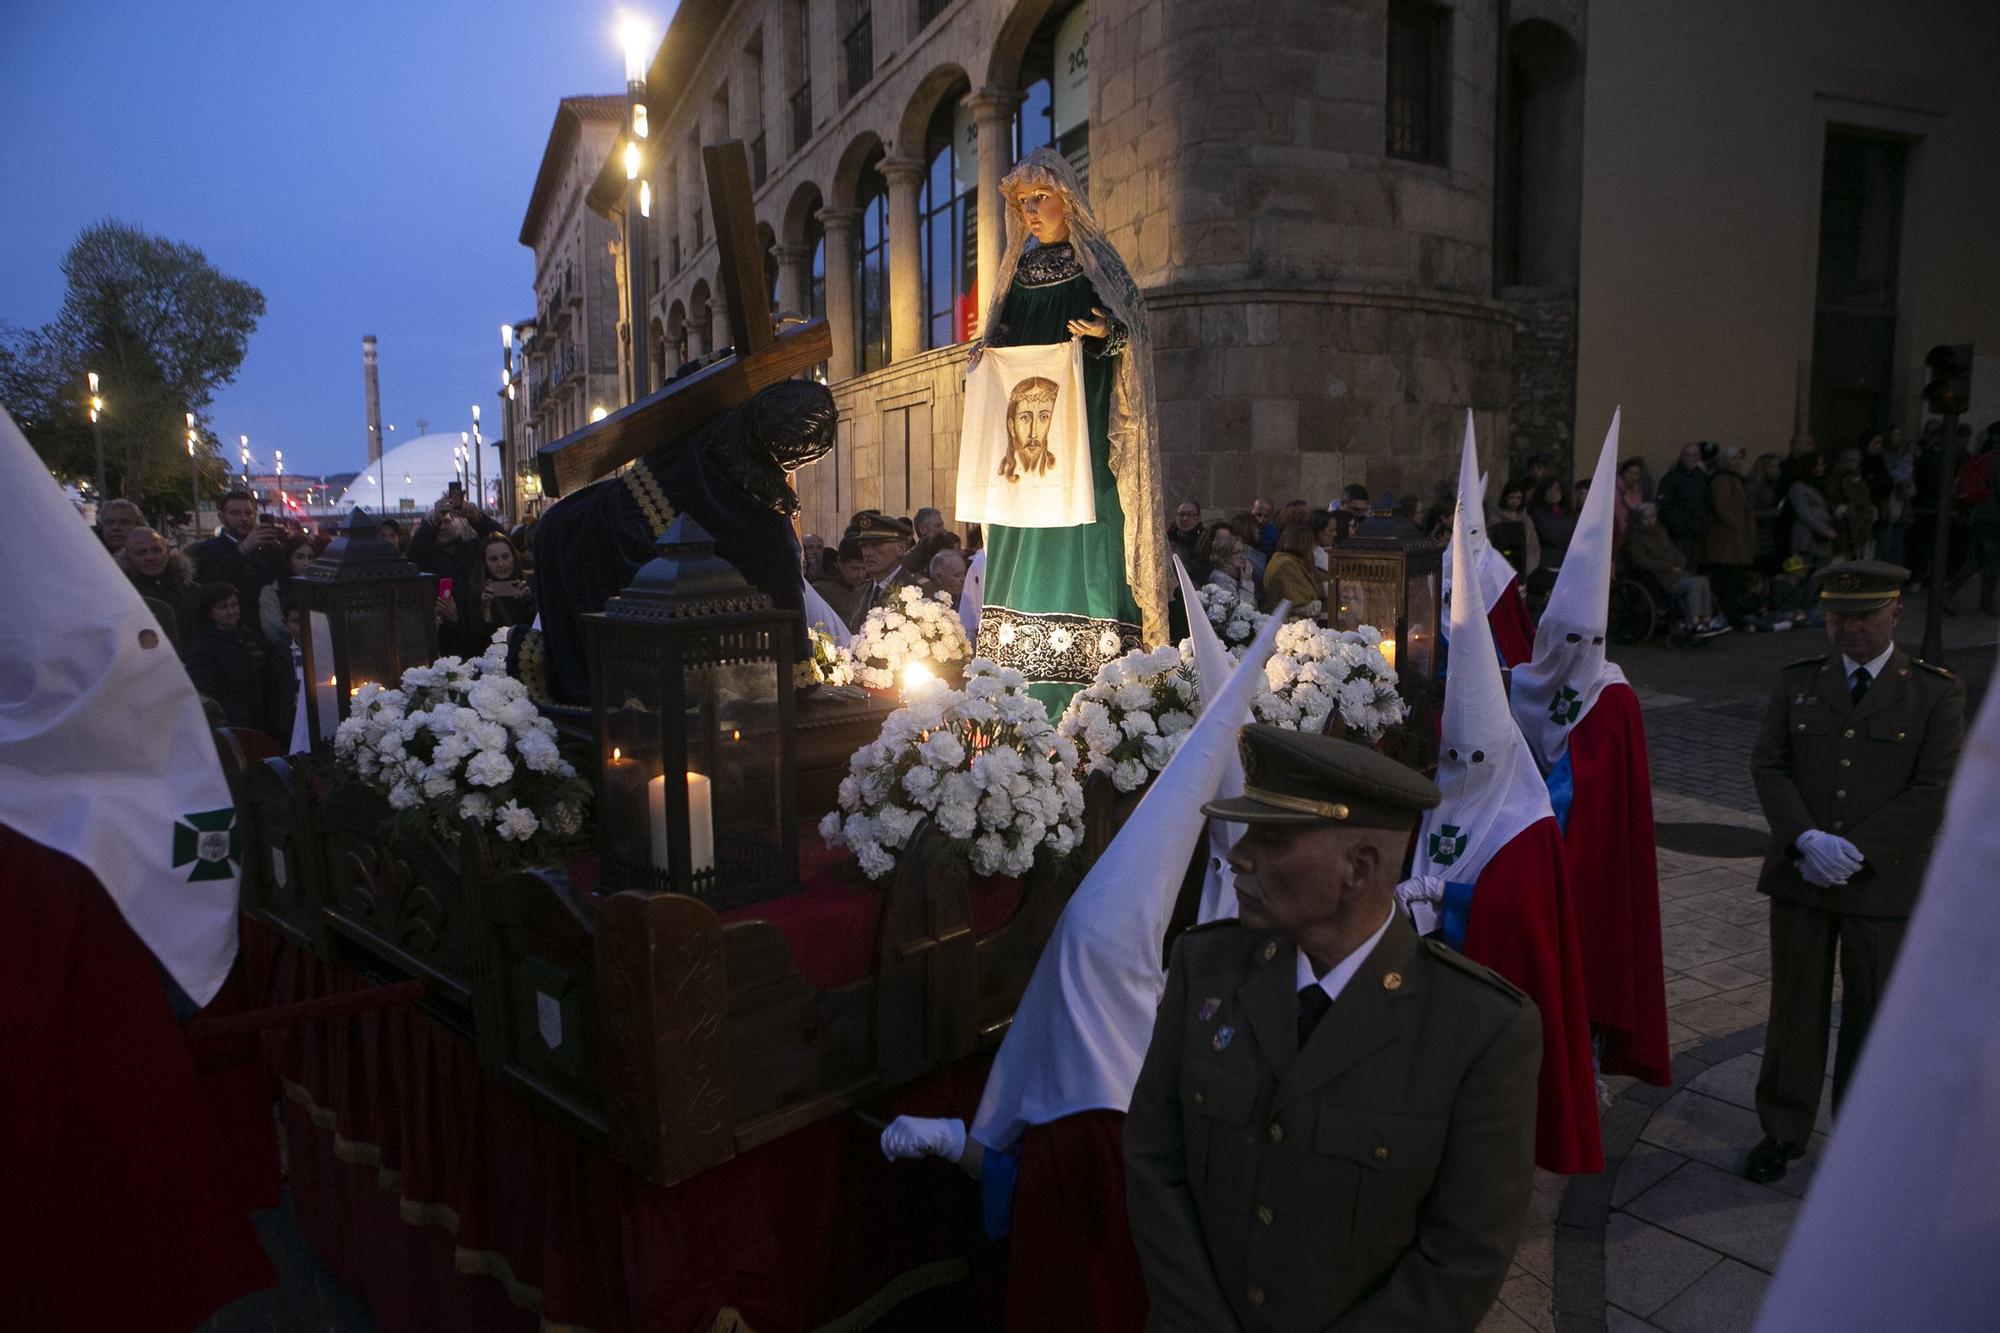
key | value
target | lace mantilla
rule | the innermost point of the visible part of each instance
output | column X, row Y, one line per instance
column 1050, row 647
column 1047, row 265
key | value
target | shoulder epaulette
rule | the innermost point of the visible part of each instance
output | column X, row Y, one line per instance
column 1444, row 953
column 1205, row 926
column 1808, row 661
column 1933, row 668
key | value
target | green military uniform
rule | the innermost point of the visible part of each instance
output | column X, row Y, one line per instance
column 1377, row 1176
column 876, row 527
column 1873, row 771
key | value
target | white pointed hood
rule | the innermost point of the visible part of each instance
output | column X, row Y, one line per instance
column 105, row 753
column 1492, row 787
column 1494, row 571
column 1086, row 1018
column 1556, row 689
column 1212, row 668
column 1903, row 1222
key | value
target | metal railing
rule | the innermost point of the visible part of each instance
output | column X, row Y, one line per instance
column 860, row 47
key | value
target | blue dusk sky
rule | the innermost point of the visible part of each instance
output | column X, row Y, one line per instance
column 365, row 164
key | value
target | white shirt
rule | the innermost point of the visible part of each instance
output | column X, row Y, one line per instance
column 1874, row 668
column 1342, row 972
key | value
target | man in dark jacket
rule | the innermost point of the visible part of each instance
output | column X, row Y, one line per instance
column 447, row 543
column 1683, row 501
column 244, row 553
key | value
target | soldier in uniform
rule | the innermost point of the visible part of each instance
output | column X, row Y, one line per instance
column 1335, row 1123
column 1851, row 768
column 883, row 539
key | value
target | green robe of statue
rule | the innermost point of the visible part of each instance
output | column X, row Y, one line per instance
column 1056, row 605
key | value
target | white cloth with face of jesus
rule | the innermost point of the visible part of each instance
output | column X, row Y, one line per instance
column 1024, row 456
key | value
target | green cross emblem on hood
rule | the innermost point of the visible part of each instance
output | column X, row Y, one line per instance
column 211, row 841
column 1447, row 844
column 1565, row 706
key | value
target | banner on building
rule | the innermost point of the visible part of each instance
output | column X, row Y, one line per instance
column 1072, row 73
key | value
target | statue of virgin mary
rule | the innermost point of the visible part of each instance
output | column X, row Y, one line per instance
column 1061, row 602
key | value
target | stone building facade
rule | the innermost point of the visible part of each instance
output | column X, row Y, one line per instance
column 568, row 363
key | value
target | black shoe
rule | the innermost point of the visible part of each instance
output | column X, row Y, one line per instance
column 1769, row 1159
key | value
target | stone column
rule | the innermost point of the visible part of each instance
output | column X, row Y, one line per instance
column 906, row 256
column 993, row 113
column 840, row 224
column 794, row 278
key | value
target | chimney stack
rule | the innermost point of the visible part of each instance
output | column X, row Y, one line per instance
column 374, row 392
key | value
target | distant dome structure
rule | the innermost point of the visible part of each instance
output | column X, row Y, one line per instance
column 411, row 476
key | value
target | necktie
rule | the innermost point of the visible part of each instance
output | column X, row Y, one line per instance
column 1860, row 685
column 1313, row 1004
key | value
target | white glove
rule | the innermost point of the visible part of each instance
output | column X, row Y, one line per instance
column 1422, row 894
column 909, row 1137
column 1826, row 861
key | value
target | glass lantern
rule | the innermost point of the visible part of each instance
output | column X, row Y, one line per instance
column 691, row 684
column 1393, row 583
column 366, row 615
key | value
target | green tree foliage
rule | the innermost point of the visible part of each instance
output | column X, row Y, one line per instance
column 164, row 329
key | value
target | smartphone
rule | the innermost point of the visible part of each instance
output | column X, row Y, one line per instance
column 444, row 587
column 456, row 490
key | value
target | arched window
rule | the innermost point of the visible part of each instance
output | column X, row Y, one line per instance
column 949, row 225
column 1055, row 89
column 816, row 276
column 677, row 337
column 871, row 270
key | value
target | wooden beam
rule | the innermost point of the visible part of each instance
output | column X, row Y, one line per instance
column 745, row 290
column 673, row 410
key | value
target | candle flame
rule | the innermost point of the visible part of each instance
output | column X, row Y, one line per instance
column 916, row 676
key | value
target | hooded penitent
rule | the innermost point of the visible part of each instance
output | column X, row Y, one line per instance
column 1903, row 1222
column 1557, row 689
column 1491, row 785
column 1212, row 667
column 1513, row 634
column 105, row 753
column 1494, row 843
column 1086, row 1018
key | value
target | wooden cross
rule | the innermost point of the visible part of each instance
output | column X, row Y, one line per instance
column 760, row 357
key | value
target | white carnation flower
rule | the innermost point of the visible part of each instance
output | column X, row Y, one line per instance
column 515, row 823
column 489, row 768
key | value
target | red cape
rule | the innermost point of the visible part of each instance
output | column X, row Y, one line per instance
column 1617, row 886
column 1513, row 631
column 1522, row 927
column 1072, row 1264
column 124, row 1205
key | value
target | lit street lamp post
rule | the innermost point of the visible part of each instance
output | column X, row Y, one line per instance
column 478, row 464
column 194, row 480
column 635, row 34
column 243, row 444
column 280, row 457
column 97, row 432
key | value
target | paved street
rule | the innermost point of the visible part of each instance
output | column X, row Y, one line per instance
column 1671, row 1236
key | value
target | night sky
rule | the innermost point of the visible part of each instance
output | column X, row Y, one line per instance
column 366, row 165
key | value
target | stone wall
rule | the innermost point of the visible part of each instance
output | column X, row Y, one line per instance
column 898, row 444
column 1543, row 418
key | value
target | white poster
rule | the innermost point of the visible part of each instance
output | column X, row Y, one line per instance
column 965, row 131
column 1024, row 453
column 1072, row 76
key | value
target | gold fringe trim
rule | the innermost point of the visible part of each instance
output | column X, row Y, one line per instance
column 645, row 489
column 474, row 1263
column 924, row 1277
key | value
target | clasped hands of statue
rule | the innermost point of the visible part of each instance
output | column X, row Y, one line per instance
column 1097, row 326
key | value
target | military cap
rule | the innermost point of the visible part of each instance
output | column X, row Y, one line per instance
column 1296, row 778
column 1860, row 586
column 883, row 528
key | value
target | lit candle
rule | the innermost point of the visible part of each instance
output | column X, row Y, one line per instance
column 916, row 676
column 701, row 822
column 1388, row 647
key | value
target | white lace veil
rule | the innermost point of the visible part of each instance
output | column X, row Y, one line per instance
column 1134, row 430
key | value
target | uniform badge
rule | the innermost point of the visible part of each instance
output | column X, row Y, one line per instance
column 1208, row 1008
column 1223, row 1036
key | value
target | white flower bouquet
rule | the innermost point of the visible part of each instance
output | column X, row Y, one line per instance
column 828, row 664
column 912, row 630
column 1317, row 673
column 1236, row 619
column 1129, row 721
column 461, row 740
column 983, row 762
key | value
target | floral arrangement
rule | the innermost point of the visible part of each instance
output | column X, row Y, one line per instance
column 1236, row 619
column 1315, row 673
column 983, row 762
column 461, row 740
column 828, row 664
column 911, row 630
column 1133, row 717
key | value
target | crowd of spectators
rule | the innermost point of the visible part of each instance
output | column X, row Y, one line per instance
column 226, row 602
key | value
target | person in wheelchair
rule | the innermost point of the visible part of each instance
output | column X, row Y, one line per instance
column 1650, row 550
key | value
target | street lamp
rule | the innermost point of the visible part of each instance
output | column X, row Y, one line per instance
column 280, row 459
column 97, row 432
column 243, row 444
column 194, row 479
column 478, row 464
column 635, row 34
